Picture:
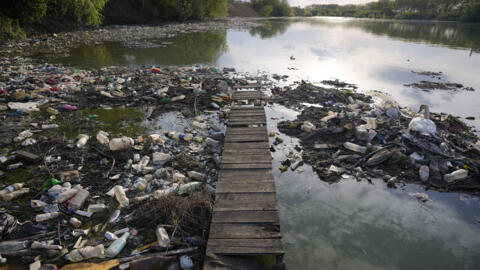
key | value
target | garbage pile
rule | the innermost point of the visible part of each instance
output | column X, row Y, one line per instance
column 349, row 134
column 75, row 190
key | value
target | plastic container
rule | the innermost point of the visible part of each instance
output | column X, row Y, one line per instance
column 40, row 245
column 117, row 246
column 79, row 199
column 187, row 188
column 195, row 175
column 361, row 134
column 162, row 237
column 114, row 217
column 355, row 147
column 121, row 196
column 121, row 143
column 140, row 184
column 86, row 253
column 308, row 127
column 47, row 216
column 98, row 207
column 199, row 125
column 455, row 176
column 211, row 142
column 161, row 158
column 424, row 173
column 177, row 98
column 82, row 140
column 51, row 126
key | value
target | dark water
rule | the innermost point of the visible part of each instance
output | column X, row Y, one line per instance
column 349, row 224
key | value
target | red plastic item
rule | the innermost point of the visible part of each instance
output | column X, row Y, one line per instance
column 69, row 107
column 156, row 70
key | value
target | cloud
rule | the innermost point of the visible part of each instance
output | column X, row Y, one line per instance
column 304, row 3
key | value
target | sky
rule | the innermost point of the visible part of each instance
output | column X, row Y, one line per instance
column 303, row 3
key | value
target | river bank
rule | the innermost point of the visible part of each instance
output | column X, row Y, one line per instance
column 147, row 100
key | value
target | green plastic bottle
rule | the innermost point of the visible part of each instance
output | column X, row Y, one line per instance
column 50, row 183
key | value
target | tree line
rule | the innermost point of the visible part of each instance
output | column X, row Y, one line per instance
column 19, row 16
column 458, row 10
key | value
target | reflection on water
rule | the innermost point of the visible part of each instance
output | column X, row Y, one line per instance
column 357, row 225
column 197, row 47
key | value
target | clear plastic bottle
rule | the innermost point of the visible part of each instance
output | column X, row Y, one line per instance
column 121, row 143
column 162, row 237
column 79, row 199
column 424, row 173
column 40, row 245
column 82, row 140
column 117, row 246
column 189, row 187
column 14, row 187
column 199, row 125
column 140, row 184
column 121, row 196
column 178, row 177
column 102, row 137
column 211, row 142
column 46, row 216
column 86, row 253
column 355, row 147
column 13, row 195
column 195, row 175
column 98, row 207
column 13, row 245
column 456, row 175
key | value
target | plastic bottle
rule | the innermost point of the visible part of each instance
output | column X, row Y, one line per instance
column 114, row 217
column 355, row 147
column 117, row 245
column 308, row 127
column 98, row 207
column 211, row 142
column 121, row 196
column 161, row 158
column 196, row 241
column 187, row 188
column 198, row 139
column 13, row 245
column 51, row 126
column 111, row 236
column 157, row 194
column 82, row 140
column 456, row 175
column 199, row 125
column 79, row 199
column 86, row 253
column 140, row 184
column 181, row 97
column 75, row 222
column 136, row 157
column 13, row 195
column 121, row 143
column 39, row 245
column 424, row 173
column 12, row 188
column 178, row 177
column 102, row 137
column 141, row 198
column 64, row 196
column 186, row 262
column 162, row 237
column 195, row 175
column 47, row 216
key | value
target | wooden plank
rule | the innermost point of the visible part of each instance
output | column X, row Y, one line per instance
column 246, row 113
column 245, row 187
column 239, row 108
column 245, row 246
column 244, row 131
column 258, row 174
column 247, row 138
column 246, row 158
column 249, row 231
column 247, row 86
column 253, row 145
column 245, row 217
column 246, row 151
column 247, row 119
column 229, row 166
column 241, row 124
column 245, row 206
column 246, row 196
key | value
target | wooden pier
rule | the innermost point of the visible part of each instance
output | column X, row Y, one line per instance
column 245, row 221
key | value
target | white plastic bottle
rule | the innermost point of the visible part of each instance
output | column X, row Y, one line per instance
column 199, row 125
column 424, row 173
column 121, row 196
column 46, row 216
column 66, row 195
column 355, row 147
column 79, row 199
column 195, row 175
column 86, row 253
column 13, row 195
column 456, row 175
column 121, row 143
column 102, row 137
column 82, row 140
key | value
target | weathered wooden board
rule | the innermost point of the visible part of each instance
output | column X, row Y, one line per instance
column 246, row 138
column 245, row 217
column 239, row 108
column 245, row 231
column 245, row 187
column 27, row 155
column 247, row 86
column 246, row 131
column 245, row 246
column 261, row 151
column 258, row 174
column 246, row 196
column 247, row 158
column 230, row 166
column 246, row 114
column 242, row 124
column 245, row 206
column 247, row 119
column 253, row 145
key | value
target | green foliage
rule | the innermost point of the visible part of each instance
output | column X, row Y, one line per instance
column 10, row 29
column 276, row 8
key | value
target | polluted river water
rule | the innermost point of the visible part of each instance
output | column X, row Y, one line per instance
column 347, row 224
